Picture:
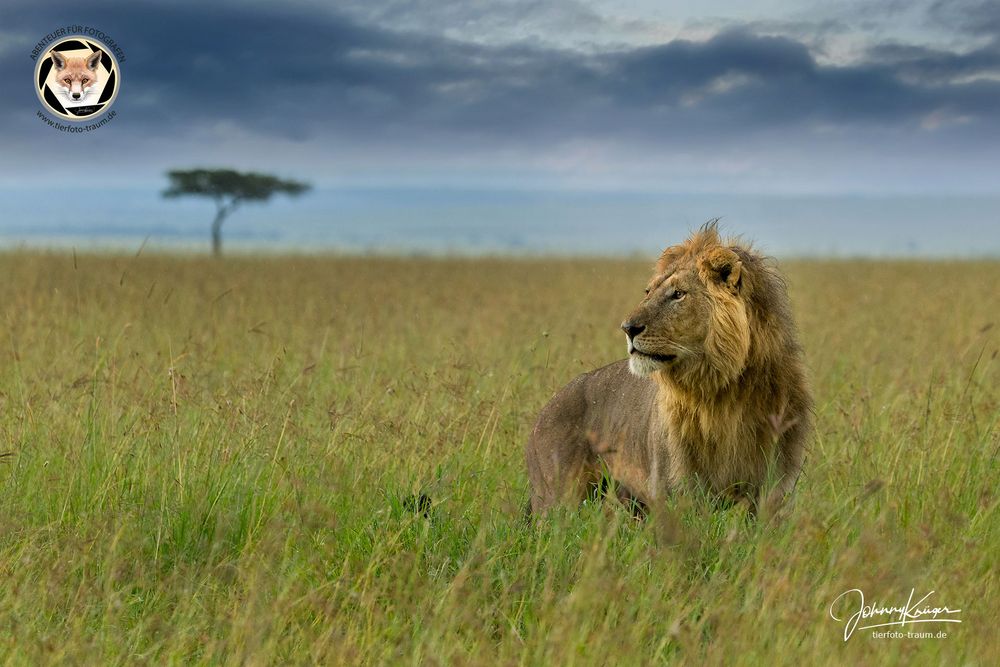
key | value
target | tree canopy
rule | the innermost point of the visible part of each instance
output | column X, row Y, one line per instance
column 229, row 183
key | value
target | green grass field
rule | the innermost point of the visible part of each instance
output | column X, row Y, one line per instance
column 206, row 462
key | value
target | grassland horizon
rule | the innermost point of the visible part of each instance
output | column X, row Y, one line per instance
column 439, row 221
column 209, row 462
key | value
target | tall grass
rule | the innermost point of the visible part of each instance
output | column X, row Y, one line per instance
column 214, row 462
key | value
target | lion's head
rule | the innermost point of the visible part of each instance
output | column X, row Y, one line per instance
column 694, row 325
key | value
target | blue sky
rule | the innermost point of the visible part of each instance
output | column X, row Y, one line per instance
column 764, row 99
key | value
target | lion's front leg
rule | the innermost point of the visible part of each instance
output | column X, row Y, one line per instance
column 661, row 478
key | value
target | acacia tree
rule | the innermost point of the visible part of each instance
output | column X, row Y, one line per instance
column 229, row 189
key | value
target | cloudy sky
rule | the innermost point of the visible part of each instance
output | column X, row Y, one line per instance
column 718, row 96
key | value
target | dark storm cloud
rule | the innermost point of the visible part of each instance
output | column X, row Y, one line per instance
column 925, row 66
column 975, row 25
column 310, row 75
column 975, row 17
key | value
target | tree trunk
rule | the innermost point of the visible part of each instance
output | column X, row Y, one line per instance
column 217, row 232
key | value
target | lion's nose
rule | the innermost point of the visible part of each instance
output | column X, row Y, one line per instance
column 76, row 96
column 632, row 329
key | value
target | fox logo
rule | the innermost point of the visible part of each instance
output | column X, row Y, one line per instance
column 75, row 75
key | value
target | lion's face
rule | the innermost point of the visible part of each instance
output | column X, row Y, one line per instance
column 669, row 326
column 692, row 322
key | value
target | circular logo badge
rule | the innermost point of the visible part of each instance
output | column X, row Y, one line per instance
column 77, row 78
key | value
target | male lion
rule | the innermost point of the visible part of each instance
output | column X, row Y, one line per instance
column 713, row 394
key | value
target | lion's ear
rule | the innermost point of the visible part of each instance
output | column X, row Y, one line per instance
column 723, row 267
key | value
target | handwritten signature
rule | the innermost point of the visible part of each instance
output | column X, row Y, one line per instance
column 911, row 612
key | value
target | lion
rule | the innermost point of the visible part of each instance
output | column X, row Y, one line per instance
column 713, row 394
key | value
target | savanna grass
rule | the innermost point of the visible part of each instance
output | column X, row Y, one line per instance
column 216, row 462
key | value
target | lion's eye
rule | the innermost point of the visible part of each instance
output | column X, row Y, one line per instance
column 677, row 295
column 84, row 80
column 66, row 80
